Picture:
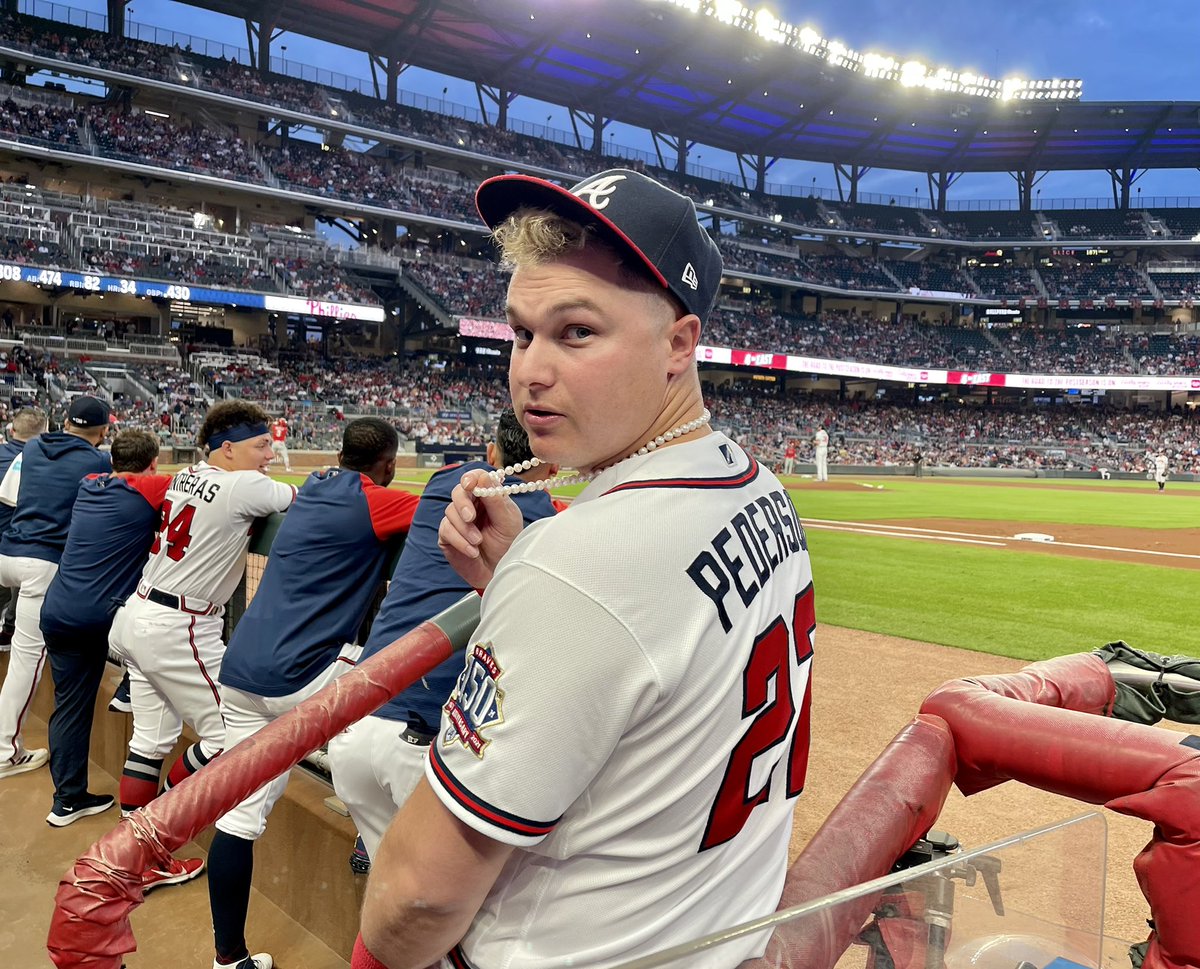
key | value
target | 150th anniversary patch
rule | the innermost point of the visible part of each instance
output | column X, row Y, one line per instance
column 477, row 701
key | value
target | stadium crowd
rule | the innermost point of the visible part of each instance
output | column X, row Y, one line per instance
column 885, row 434
column 228, row 76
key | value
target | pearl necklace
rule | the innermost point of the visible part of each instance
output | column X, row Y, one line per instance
column 578, row 478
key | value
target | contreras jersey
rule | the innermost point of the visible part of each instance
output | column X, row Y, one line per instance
column 201, row 547
column 639, row 724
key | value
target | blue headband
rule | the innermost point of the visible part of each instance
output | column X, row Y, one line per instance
column 239, row 432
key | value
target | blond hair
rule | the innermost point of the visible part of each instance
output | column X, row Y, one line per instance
column 533, row 237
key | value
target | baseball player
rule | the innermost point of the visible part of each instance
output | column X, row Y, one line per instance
column 114, row 520
column 279, row 433
column 616, row 767
column 1160, row 470
column 27, row 424
column 378, row 761
column 169, row 631
column 42, row 485
column 299, row 633
column 789, row 457
column 821, row 448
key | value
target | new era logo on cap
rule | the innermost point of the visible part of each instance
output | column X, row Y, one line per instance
column 631, row 212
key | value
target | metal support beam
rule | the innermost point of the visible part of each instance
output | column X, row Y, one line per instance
column 497, row 96
column 1026, row 181
column 759, row 165
column 1122, row 181
column 676, row 143
column 853, row 174
column 593, row 122
column 116, row 15
column 939, row 185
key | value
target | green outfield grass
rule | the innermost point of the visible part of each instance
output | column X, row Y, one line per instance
column 1025, row 605
column 1021, row 604
column 1018, row 604
column 1139, row 508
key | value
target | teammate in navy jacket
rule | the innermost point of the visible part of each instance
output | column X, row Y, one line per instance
column 373, row 771
column 115, row 519
column 298, row 634
column 50, row 470
column 27, row 424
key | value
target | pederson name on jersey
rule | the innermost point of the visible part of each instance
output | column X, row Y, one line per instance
column 745, row 553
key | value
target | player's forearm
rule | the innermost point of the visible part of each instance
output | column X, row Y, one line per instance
column 409, row 933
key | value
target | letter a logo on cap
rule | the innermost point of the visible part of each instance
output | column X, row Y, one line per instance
column 690, row 277
column 597, row 191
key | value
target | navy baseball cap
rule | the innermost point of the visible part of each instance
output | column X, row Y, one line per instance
column 88, row 412
column 633, row 213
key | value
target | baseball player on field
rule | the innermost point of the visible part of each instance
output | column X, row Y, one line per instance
column 298, row 634
column 114, row 520
column 1160, row 470
column 169, row 631
column 279, row 433
column 27, row 424
column 789, row 457
column 379, row 760
column 821, row 453
column 616, row 768
column 42, row 485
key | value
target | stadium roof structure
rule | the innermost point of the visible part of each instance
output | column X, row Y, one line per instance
column 694, row 79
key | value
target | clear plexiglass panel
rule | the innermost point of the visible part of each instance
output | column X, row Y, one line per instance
column 1031, row 901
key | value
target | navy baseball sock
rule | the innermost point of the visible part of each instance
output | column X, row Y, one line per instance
column 230, row 868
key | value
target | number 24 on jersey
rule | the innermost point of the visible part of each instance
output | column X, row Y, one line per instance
column 176, row 531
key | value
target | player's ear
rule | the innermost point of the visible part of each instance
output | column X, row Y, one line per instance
column 153, row 469
column 490, row 455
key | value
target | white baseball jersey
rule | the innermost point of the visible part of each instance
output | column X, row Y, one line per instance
column 821, row 438
column 633, row 714
column 200, row 550
column 1160, row 468
column 11, row 485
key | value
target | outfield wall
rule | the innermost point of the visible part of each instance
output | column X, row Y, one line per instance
column 908, row 471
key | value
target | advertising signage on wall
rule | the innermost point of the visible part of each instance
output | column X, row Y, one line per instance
column 771, row 360
column 185, row 293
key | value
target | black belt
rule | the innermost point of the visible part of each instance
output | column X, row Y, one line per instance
column 163, row 598
column 172, row 601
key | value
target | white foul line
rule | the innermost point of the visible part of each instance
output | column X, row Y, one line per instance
column 910, row 531
column 872, row 531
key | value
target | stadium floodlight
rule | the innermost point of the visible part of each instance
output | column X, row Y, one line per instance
column 729, row 11
column 911, row 74
column 809, row 39
column 769, row 27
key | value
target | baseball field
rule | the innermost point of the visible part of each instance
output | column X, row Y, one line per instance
column 936, row 560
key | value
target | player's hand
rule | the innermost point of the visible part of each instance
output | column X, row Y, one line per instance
column 475, row 533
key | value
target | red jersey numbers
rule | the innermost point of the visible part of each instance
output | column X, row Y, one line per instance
column 767, row 697
column 176, row 530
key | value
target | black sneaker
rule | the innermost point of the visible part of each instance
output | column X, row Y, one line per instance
column 120, row 703
column 89, row 804
column 360, row 862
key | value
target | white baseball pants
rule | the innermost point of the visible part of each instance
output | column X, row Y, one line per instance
column 374, row 772
column 246, row 714
column 27, row 658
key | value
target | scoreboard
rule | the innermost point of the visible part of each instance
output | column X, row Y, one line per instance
column 186, row 293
